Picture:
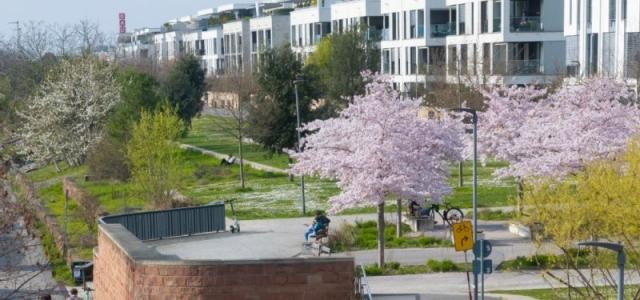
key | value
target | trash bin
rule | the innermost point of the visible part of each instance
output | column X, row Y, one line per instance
column 82, row 271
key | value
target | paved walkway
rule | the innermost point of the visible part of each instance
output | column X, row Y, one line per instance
column 23, row 271
column 255, row 165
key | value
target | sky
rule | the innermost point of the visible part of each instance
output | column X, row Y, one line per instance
column 140, row 13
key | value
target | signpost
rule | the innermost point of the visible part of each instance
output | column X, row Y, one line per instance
column 463, row 236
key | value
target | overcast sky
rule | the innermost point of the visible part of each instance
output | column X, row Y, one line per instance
column 140, row 13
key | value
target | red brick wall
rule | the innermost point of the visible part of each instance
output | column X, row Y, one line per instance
column 113, row 270
column 116, row 276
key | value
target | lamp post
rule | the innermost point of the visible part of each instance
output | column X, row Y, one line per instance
column 299, row 148
column 474, row 119
column 621, row 261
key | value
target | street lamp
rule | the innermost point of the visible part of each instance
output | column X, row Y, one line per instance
column 621, row 261
column 474, row 119
column 295, row 86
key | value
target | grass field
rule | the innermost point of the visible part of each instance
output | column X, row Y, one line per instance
column 207, row 134
column 564, row 294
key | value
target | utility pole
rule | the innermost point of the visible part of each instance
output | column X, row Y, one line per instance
column 18, row 35
column 295, row 85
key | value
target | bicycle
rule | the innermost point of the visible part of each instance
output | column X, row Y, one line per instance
column 449, row 215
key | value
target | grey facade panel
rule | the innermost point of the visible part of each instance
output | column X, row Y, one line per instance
column 553, row 15
column 554, row 57
column 608, row 53
column 632, row 55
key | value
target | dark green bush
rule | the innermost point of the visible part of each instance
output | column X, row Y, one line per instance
column 107, row 160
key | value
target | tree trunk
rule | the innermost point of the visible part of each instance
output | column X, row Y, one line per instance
column 381, row 235
column 519, row 196
column 399, row 224
column 240, row 147
column 460, row 174
column 241, row 163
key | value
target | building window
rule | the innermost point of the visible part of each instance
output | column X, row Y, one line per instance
column 413, row 65
column 484, row 22
column 386, row 61
column 453, row 60
column 461, row 18
column 413, row 24
column 570, row 12
column 268, row 38
column 497, row 16
column 420, row 23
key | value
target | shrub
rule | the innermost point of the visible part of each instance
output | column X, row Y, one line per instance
column 107, row 160
column 373, row 270
column 443, row 266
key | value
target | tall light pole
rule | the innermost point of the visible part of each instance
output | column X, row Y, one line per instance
column 474, row 119
column 295, row 86
column 621, row 261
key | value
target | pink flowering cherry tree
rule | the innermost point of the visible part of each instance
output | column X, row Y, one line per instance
column 553, row 135
column 378, row 148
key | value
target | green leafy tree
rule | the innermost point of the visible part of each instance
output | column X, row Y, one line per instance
column 272, row 114
column 185, row 87
column 339, row 62
column 139, row 91
column 154, row 158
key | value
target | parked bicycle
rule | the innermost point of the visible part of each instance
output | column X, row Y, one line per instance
column 450, row 214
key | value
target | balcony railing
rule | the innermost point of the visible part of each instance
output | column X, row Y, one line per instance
column 442, row 30
column 526, row 24
column 524, row 67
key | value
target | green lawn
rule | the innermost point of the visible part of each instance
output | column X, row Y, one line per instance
column 563, row 293
column 81, row 236
column 206, row 133
column 364, row 236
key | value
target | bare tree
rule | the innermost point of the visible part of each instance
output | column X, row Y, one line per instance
column 35, row 41
column 89, row 35
column 241, row 87
column 65, row 39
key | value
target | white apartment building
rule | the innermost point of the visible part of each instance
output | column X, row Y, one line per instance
column 206, row 44
column 137, row 45
column 486, row 41
column 349, row 14
column 506, row 41
column 267, row 32
column 308, row 25
column 236, row 46
column 603, row 37
column 411, row 50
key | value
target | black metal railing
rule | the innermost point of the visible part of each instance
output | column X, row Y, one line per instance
column 153, row 225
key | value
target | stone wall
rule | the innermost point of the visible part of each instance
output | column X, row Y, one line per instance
column 125, row 268
column 86, row 202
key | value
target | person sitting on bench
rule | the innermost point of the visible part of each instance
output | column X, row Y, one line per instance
column 320, row 222
column 228, row 161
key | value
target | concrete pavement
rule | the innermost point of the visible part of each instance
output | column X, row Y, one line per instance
column 218, row 155
column 23, row 264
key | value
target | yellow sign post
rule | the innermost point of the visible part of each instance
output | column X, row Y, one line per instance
column 463, row 236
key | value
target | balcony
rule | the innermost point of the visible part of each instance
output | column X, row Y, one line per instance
column 442, row 30
column 526, row 24
column 524, row 67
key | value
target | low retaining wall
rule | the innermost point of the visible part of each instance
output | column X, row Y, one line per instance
column 125, row 268
column 87, row 203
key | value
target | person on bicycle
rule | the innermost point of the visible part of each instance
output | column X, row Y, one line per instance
column 319, row 222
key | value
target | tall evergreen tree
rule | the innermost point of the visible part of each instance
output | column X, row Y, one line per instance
column 272, row 114
column 185, row 87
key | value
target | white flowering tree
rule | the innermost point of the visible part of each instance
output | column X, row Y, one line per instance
column 378, row 148
column 552, row 135
column 66, row 115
